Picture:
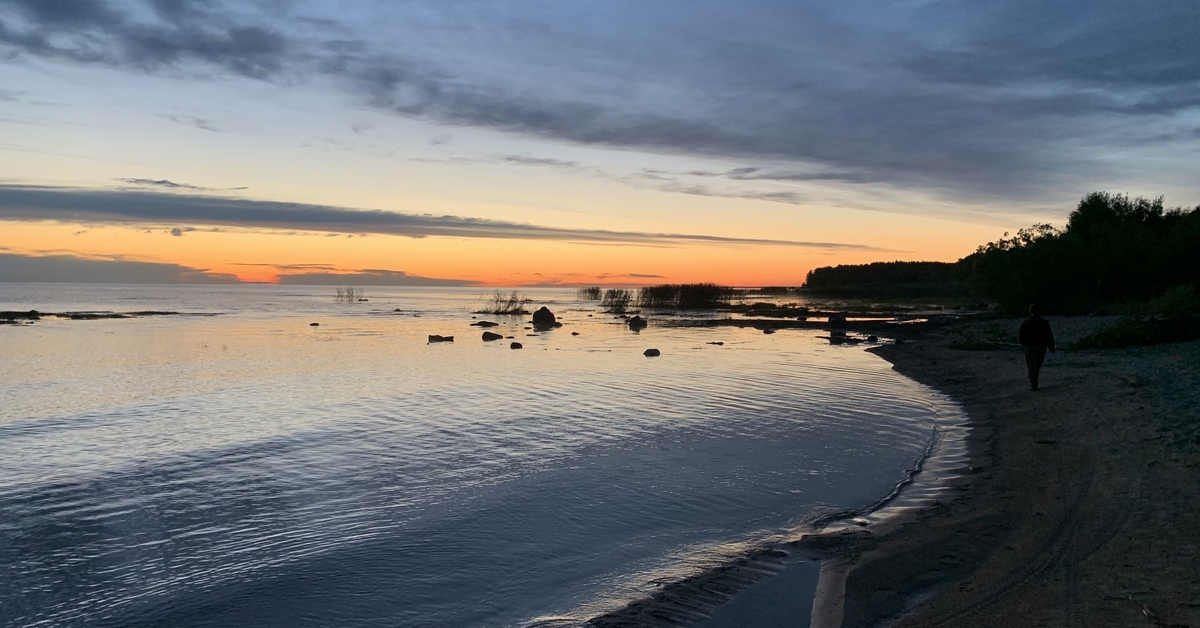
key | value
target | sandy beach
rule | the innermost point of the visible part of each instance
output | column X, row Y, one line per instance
column 1079, row 507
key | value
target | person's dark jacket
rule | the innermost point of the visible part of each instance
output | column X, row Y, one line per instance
column 1035, row 332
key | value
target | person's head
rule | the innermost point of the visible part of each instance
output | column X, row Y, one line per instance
column 1034, row 310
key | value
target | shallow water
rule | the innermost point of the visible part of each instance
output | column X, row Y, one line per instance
column 249, row 469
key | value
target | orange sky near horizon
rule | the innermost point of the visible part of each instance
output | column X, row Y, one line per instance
column 521, row 145
column 256, row 255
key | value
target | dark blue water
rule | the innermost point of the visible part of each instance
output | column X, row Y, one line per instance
column 248, row 469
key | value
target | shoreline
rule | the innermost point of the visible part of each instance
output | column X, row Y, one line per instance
column 768, row 585
column 1072, row 506
column 1080, row 502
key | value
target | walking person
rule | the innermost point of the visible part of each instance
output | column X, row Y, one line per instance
column 1037, row 338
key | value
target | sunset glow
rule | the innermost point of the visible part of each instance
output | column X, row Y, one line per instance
column 518, row 146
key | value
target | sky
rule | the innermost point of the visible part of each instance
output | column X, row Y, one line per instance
column 552, row 142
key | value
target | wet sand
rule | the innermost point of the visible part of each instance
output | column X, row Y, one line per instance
column 1079, row 507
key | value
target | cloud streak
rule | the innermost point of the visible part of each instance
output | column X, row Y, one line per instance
column 62, row 267
column 72, row 205
column 368, row 277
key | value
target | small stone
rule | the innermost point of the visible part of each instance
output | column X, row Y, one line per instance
column 314, row 324
column 651, row 353
column 515, row 345
column 489, row 336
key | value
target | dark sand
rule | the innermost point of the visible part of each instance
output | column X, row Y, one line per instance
column 1082, row 504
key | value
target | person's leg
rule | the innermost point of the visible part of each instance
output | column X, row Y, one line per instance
column 1034, row 356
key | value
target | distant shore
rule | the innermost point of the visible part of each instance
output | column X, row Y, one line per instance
column 1080, row 502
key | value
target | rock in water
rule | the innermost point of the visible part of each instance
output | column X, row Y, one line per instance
column 314, row 324
column 837, row 321
column 515, row 345
column 636, row 322
column 652, row 353
column 488, row 336
column 437, row 338
column 543, row 318
column 484, row 324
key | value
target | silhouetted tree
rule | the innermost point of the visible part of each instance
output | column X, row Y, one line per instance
column 1113, row 250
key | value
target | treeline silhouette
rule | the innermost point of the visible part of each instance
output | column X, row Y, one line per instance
column 1114, row 251
column 889, row 280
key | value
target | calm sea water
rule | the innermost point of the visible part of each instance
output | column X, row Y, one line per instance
column 248, row 469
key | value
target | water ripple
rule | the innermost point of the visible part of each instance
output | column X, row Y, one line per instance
column 357, row 476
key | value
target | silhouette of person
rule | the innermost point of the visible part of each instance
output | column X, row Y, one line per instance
column 1036, row 337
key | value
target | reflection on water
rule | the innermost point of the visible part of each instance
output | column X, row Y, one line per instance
column 248, row 469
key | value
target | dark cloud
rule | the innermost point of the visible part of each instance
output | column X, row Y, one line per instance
column 150, row 207
column 199, row 123
column 1106, row 43
column 368, row 277
column 525, row 160
column 77, row 269
column 162, row 183
column 92, row 31
column 971, row 99
column 168, row 184
column 751, row 173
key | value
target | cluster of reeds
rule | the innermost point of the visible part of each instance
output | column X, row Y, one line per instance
column 511, row 304
column 591, row 293
column 616, row 300
column 691, row 296
column 349, row 294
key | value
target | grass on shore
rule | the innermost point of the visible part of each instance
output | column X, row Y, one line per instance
column 512, row 304
column 349, row 294
column 692, row 296
column 616, row 300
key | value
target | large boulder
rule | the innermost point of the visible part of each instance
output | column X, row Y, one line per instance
column 837, row 321
column 543, row 318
